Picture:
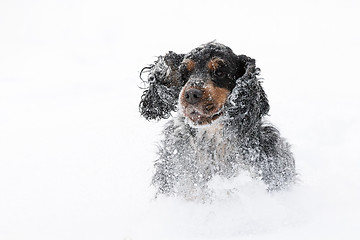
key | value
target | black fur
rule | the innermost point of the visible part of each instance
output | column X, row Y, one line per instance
column 160, row 97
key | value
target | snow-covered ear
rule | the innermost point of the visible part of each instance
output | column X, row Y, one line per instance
column 251, row 72
column 161, row 87
column 247, row 102
column 246, row 65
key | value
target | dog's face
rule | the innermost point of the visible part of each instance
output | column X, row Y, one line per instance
column 201, row 83
column 209, row 74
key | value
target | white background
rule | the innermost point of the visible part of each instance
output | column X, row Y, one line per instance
column 76, row 158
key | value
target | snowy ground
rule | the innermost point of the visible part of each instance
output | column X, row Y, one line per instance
column 76, row 158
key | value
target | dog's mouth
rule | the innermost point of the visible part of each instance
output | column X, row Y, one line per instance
column 200, row 119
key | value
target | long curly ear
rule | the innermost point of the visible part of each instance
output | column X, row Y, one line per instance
column 247, row 102
column 246, row 65
column 162, row 87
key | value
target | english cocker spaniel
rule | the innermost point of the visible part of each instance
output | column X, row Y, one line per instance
column 217, row 129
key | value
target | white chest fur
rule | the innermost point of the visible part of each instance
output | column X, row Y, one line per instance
column 210, row 144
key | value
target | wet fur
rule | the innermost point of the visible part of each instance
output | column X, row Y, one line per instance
column 240, row 140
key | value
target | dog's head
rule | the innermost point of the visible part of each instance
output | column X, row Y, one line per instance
column 201, row 82
column 209, row 74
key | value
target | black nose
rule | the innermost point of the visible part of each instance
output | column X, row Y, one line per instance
column 193, row 95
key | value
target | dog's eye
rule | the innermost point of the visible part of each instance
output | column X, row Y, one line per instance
column 219, row 73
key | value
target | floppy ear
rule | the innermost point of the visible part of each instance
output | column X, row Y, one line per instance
column 247, row 102
column 251, row 72
column 162, row 87
column 246, row 65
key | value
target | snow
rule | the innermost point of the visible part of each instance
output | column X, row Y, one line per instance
column 76, row 158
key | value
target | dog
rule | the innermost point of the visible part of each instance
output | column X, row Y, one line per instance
column 218, row 128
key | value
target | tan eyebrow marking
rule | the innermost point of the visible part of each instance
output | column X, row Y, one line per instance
column 190, row 64
column 214, row 63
